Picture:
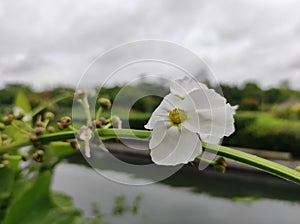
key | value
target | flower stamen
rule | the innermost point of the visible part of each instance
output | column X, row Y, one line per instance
column 177, row 116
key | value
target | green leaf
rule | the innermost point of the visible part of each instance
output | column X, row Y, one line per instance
column 33, row 204
column 13, row 132
column 7, row 180
column 59, row 216
column 62, row 201
column 58, row 149
column 6, row 186
column 22, row 101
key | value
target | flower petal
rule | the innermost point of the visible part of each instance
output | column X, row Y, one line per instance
column 217, row 122
column 162, row 111
column 182, row 87
column 192, row 123
column 179, row 146
column 166, row 145
column 158, row 134
column 207, row 99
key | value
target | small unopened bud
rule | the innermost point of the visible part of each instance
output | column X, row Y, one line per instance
column 4, row 137
column 75, row 145
column 220, row 169
column 39, row 124
column 2, row 126
column 33, row 138
column 6, row 163
column 4, row 143
column 25, row 157
column 8, row 119
column 66, row 121
column 51, row 129
column 38, row 156
column 220, row 165
column 60, row 126
column 104, row 102
column 19, row 116
column 49, row 115
column 103, row 120
column 297, row 168
column 39, row 130
column 97, row 123
column 18, row 113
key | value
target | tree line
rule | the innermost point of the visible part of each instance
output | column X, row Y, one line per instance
column 249, row 97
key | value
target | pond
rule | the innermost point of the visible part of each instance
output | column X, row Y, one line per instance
column 189, row 196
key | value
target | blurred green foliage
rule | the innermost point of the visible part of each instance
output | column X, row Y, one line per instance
column 275, row 129
column 261, row 130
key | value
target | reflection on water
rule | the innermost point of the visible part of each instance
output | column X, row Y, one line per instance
column 189, row 196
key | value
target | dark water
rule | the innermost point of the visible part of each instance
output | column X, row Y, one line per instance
column 189, row 196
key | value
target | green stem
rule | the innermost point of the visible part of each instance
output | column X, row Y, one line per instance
column 12, row 157
column 14, row 146
column 210, row 162
column 255, row 161
column 99, row 112
column 242, row 157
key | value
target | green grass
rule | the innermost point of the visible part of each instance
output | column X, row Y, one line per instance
column 266, row 119
column 263, row 131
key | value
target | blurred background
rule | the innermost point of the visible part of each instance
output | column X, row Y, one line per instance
column 253, row 50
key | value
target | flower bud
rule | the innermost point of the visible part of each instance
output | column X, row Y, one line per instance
column 39, row 130
column 97, row 123
column 220, row 169
column 6, row 163
column 8, row 119
column 51, row 129
column 38, row 156
column 4, row 143
column 74, row 144
column 18, row 113
column 25, row 157
column 39, row 124
column 19, row 116
column 66, row 121
column 2, row 126
column 104, row 102
column 33, row 138
column 60, row 126
column 103, row 120
column 220, row 165
column 4, row 137
column 49, row 115
column 297, row 168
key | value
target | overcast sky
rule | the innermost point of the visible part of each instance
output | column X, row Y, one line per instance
column 45, row 43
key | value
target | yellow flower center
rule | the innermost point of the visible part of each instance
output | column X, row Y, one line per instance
column 177, row 116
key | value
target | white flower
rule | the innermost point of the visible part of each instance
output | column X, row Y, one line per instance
column 189, row 114
column 85, row 134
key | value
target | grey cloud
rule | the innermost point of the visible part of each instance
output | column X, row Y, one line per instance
column 240, row 40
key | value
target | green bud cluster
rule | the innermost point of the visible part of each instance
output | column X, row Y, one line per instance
column 99, row 123
column 64, row 123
